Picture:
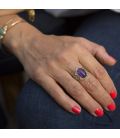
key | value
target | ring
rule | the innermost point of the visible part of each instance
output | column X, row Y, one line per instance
column 80, row 73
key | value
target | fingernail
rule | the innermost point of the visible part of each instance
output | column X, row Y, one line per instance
column 111, row 107
column 99, row 112
column 76, row 110
column 113, row 94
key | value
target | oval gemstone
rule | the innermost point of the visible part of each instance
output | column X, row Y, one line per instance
column 81, row 72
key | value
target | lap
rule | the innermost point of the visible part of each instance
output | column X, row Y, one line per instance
column 3, row 120
column 103, row 28
column 36, row 109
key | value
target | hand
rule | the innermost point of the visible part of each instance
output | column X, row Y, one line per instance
column 51, row 61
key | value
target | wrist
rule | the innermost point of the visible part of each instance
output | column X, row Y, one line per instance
column 5, row 30
column 21, row 36
column 11, row 38
column 8, row 25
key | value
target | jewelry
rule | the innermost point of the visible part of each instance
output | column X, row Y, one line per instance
column 12, row 22
column 31, row 15
column 80, row 73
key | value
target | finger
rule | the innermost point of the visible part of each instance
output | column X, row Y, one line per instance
column 76, row 91
column 98, row 51
column 57, row 93
column 94, row 88
column 101, row 54
column 95, row 68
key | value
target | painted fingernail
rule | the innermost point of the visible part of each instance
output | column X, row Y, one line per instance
column 99, row 112
column 111, row 107
column 113, row 94
column 76, row 110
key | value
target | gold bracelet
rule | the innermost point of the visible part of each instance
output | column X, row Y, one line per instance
column 31, row 15
column 12, row 22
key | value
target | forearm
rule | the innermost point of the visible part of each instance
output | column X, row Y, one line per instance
column 10, row 11
column 3, row 21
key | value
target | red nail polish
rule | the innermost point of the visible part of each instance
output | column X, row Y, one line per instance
column 113, row 94
column 76, row 110
column 111, row 107
column 99, row 112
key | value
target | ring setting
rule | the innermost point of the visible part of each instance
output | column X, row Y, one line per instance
column 80, row 73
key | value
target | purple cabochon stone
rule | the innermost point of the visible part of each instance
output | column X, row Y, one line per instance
column 81, row 72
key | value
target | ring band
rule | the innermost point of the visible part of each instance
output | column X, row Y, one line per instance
column 80, row 73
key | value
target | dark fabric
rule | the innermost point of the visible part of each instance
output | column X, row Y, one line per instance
column 9, row 64
column 36, row 109
column 3, row 120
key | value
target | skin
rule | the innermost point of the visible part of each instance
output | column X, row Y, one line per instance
column 10, row 11
column 51, row 61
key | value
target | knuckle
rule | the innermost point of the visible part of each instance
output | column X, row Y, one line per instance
column 62, row 57
column 37, row 73
column 101, row 48
column 100, row 72
column 75, row 46
column 82, row 39
column 92, row 85
column 76, row 91
column 78, row 47
column 50, row 63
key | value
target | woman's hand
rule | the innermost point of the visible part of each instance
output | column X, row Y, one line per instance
column 51, row 61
